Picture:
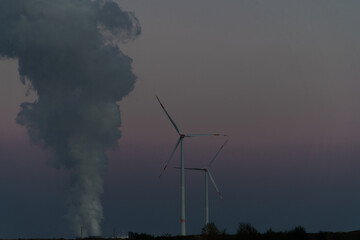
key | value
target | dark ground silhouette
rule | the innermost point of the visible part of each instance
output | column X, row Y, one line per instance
column 245, row 231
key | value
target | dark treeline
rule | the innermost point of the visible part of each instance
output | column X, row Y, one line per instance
column 245, row 231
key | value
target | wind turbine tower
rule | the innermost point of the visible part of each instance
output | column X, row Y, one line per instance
column 182, row 168
column 207, row 176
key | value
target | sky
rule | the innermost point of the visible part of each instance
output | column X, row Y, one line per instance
column 279, row 77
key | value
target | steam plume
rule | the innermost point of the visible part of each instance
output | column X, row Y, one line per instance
column 67, row 52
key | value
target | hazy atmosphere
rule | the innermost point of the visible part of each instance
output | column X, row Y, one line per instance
column 281, row 78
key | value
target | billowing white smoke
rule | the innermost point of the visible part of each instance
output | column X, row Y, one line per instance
column 68, row 55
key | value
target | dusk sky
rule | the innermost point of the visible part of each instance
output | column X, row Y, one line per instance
column 280, row 77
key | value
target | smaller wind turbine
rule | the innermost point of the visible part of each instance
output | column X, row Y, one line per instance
column 207, row 176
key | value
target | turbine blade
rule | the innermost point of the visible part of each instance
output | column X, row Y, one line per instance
column 213, row 181
column 199, row 169
column 172, row 154
column 217, row 153
column 172, row 121
column 201, row 135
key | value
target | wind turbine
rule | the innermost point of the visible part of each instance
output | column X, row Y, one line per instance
column 207, row 176
column 182, row 175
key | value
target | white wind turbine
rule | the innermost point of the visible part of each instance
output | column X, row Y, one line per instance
column 182, row 175
column 207, row 176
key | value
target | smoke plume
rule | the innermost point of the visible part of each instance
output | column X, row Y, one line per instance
column 67, row 53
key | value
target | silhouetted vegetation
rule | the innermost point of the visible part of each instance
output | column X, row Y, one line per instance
column 298, row 233
column 246, row 231
column 321, row 235
column 210, row 229
column 271, row 235
column 142, row 236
